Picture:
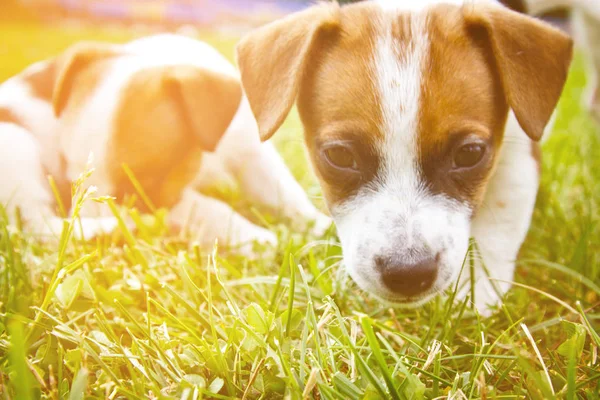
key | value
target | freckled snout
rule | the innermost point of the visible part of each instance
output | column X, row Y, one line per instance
column 408, row 278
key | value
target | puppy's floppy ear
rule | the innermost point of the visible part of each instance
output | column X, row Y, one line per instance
column 208, row 101
column 272, row 61
column 74, row 61
column 532, row 59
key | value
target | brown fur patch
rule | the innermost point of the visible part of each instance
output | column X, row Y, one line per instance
column 272, row 78
column 462, row 95
column 152, row 139
column 7, row 116
column 515, row 5
column 339, row 101
column 80, row 70
column 167, row 116
column 532, row 59
column 42, row 81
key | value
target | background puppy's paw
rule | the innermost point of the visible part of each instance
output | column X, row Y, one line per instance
column 264, row 237
column 253, row 241
column 321, row 225
column 51, row 229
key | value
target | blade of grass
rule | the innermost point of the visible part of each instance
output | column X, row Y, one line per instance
column 138, row 188
column 539, row 356
column 22, row 381
column 291, row 291
column 79, row 385
column 378, row 355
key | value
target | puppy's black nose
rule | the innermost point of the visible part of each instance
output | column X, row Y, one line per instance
column 408, row 280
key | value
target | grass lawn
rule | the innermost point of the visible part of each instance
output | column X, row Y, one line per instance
column 148, row 315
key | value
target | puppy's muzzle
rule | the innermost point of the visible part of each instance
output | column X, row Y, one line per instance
column 408, row 279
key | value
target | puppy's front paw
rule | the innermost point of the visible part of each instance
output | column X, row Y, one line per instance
column 264, row 237
column 89, row 228
column 487, row 297
column 252, row 239
column 486, row 301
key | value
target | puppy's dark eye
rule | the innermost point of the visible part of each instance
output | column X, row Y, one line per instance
column 468, row 155
column 341, row 157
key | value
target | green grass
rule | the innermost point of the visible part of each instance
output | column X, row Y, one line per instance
column 148, row 315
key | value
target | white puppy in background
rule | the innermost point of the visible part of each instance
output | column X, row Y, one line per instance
column 585, row 26
column 172, row 109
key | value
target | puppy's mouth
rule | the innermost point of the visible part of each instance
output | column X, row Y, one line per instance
column 407, row 302
column 399, row 300
column 403, row 301
column 439, row 288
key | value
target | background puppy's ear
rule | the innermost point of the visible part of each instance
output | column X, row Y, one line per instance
column 75, row 60
column 532, row 58
column 208, row 101
column 272, row 60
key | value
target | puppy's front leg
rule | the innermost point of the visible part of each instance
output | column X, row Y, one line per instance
column 501, row 224
column 266, row 179
column 207, row 219
column 23, row 185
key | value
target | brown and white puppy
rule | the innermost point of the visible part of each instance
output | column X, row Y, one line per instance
column 170, row 108
column 421, row 119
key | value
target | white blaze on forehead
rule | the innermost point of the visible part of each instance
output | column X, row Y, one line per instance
column 399, row 71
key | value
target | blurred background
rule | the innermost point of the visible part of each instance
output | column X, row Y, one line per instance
column 206, row 13
column 31, row 30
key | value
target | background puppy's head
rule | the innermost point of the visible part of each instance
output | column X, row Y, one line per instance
column 404, row 113
column 159, row 115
